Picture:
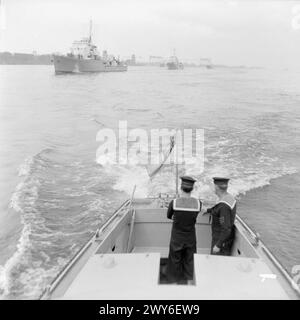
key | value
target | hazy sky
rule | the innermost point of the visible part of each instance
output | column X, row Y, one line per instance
column 253, row 33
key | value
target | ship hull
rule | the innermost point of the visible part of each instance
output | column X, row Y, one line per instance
column 174, row 66
column 64, row 64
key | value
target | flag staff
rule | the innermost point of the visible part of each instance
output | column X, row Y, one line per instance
column 176, row 166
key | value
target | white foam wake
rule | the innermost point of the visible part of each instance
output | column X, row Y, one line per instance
column 5, row 271
column 25, row 167
column 130, row 177
column 24, row 195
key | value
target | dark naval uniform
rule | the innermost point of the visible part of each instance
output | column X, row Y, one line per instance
column 223, row 230
column 184, row 212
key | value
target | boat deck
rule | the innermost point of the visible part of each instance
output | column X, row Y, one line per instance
column 136, row 276
column 164, row 251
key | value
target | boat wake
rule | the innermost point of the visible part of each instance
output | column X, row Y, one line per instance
column 59, row 206
column 61, row 202
column 248, row 170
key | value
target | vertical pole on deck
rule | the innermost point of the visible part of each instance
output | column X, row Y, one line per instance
column 129, row 243
column 176, row 165
column 132, row 196
column 176, row 180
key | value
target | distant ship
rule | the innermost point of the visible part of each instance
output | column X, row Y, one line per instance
column 173, row 63
column 206, row 63
column 84, row 57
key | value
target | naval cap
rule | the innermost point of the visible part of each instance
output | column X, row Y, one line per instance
column 221, row 181
column 187, row 181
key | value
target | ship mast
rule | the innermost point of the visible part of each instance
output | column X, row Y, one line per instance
column 90, row 37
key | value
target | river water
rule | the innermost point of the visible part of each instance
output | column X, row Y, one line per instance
column 54, row 194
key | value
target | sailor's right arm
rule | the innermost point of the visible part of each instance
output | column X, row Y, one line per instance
column 170, row 210
column 206, row 210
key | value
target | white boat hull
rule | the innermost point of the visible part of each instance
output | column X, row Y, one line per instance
column 123, row 261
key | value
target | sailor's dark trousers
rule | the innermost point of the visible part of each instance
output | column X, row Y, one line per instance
column 181, row 261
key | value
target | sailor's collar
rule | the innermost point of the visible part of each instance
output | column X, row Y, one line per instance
column 227, row 199
column 196, row 205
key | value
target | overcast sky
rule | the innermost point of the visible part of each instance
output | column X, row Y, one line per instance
column 252, row 33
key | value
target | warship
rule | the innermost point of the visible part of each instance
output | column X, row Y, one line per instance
column 84, row 57
column 173, row 63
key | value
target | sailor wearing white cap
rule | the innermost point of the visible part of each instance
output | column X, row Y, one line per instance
column 223, row 216
column 184, row 211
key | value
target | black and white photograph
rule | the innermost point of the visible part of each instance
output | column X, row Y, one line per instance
column 149, row 151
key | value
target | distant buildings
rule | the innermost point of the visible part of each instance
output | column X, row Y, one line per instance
column 156, row 60
column 206, row 62
column 46, row 59
column 25, row 58
column 131, row 61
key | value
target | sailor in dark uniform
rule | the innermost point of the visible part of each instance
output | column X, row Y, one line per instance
column 223, row 216
column 184, row 211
